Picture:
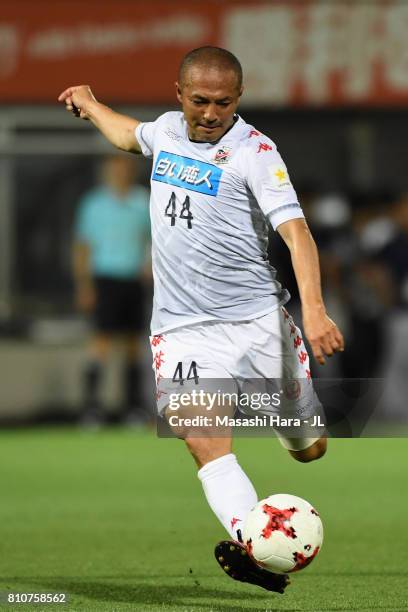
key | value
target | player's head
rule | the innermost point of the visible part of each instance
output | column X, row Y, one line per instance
column 209, row 87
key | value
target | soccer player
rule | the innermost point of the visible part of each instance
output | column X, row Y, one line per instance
column 218, row 309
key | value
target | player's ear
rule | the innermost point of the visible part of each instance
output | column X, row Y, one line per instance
column 178, row 91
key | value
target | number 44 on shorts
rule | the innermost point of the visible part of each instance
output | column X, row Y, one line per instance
column 192, row 373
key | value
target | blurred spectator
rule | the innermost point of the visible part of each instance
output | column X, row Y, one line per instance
column 388, row 236
column 369, row 291
column 393, row 248
column 111, row 266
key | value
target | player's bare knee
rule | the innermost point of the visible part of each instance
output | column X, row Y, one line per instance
column 315, row 451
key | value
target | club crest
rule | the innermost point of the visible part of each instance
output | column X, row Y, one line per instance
column 222, row 155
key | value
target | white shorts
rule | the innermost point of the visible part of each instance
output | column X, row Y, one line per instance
column 264, row 355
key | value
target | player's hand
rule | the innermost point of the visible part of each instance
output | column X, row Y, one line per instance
column 77, row 99
column 323, row 335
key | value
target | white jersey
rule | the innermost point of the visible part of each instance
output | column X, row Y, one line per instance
column 208, row 206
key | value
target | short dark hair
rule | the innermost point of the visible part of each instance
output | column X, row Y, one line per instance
column 210, row 57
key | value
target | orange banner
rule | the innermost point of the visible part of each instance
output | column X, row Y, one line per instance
column 307, row 53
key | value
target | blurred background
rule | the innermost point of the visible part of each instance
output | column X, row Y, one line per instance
column 327, row 81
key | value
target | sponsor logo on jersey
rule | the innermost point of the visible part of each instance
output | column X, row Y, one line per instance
column 222, row 155
column 186, row 172
column 279, row 175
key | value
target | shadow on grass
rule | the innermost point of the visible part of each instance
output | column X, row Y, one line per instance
column 187, row 597
column 191, row 596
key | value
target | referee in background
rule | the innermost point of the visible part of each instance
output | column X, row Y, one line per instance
column 111, row 264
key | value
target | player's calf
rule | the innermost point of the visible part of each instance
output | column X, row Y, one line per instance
column 205, row 440
column 204, row 450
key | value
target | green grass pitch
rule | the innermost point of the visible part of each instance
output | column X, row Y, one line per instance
column 117, row 520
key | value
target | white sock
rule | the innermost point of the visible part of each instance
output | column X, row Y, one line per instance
column 229, row 492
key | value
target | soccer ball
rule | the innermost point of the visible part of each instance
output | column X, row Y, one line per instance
column 283, row 533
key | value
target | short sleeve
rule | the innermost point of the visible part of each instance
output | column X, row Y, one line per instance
column 145, row 135
column 269, row 181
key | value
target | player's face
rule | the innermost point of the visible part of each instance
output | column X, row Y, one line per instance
column 209, row 99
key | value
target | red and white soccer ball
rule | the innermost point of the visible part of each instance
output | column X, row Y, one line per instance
column 283, row 533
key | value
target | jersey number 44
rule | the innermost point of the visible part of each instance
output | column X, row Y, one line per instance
column 185, row 213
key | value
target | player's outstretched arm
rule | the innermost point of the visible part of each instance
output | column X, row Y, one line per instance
column 322, row 333
column 118, row 129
